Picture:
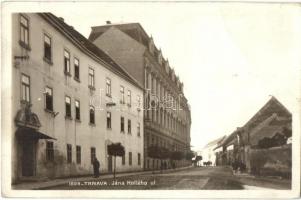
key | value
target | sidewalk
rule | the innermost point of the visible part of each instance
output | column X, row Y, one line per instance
column 62, row 181
column 251, row 182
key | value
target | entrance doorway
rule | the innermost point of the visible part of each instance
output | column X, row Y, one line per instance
column 110, row 163
column 28, row 157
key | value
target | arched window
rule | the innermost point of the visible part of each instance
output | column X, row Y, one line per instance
column 92, row 115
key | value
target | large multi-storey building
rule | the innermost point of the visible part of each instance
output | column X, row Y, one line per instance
column 70, row 101
column 167, row 114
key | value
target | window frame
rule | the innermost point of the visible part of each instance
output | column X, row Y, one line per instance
column 139, row 159
column 122, row 97
column 69, row 153
column 123, row 160
column 130, row 158
column 49, row 151
column 76, row 69
column 122, row 124
column 25, row 86
column 68, row 107
column 91, row 78
column 78, row 154
column 25, row 44
column 129, row 126
column 129, row 97
column 92, row 154
column 138, row 129
column 91, row 108
column 109, row 120
column 77, row 110
column 108, row 87
column 49, row 60
column 67, row 68
column 47, row 96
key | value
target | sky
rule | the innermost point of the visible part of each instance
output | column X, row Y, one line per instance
column 231, row 57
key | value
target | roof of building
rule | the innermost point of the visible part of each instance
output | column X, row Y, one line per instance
column 269, row 130
column 88, row 47
column 271, row 107
column 267, row 111
column 129, row 28
column 215, row 142
column 136, row 32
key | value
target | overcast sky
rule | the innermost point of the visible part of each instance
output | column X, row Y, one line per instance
column 231, row 57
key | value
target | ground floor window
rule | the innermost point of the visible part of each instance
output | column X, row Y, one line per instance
column 123, row 159
column 78, row 154
column 130, row 158
column 69, row 153
column 139, row 159
column 49, row 151
column 93, row 154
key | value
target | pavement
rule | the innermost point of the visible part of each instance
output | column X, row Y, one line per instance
column 188, row 178
column 38, row 185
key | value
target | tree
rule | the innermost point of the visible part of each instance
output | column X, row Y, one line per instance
column 116, row 149
column 189, row 155
column 197, row 159
column 177, row 155
column 157, row 152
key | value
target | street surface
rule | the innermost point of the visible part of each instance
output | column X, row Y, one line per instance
column 200, row 178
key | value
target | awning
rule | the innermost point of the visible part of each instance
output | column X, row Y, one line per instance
column 30, row 133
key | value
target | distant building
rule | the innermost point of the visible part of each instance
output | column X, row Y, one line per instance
column 208, row 153
column 269, row 130
column 167, row 116
column 61, row 120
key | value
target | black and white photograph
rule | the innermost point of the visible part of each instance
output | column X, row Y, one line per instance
column 152, row 99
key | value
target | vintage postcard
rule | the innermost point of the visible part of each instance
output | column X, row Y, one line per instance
column 152, row 99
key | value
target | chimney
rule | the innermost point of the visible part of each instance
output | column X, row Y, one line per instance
column 61, row 18
column 108, row 22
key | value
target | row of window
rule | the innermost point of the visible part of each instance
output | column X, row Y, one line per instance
column 49, row 107
column 24, row 26
column 50, row 154
column 122, row 126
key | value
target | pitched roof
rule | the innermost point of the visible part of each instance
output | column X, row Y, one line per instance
column 228, row 139
column 271, row 107
column 88, row 47
column 269, row 130
column 216, row 141
column 131, row 29
column 267, row 111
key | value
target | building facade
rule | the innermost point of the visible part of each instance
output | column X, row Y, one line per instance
column 255, row 144
column 209, row 152
column 70, row 101
column 167, row 113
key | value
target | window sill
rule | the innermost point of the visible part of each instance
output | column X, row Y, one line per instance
column 67, row 73
column 47, row 61
column 122, row 132
column 91, row 87
column 24, row 102
column 109, row 129
column 25, row 46
column 92, row 124
column 76, row 79
column 78, row 120
column 49, row 111
column 129, row 105
column 68, row 117
column 108, row 95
